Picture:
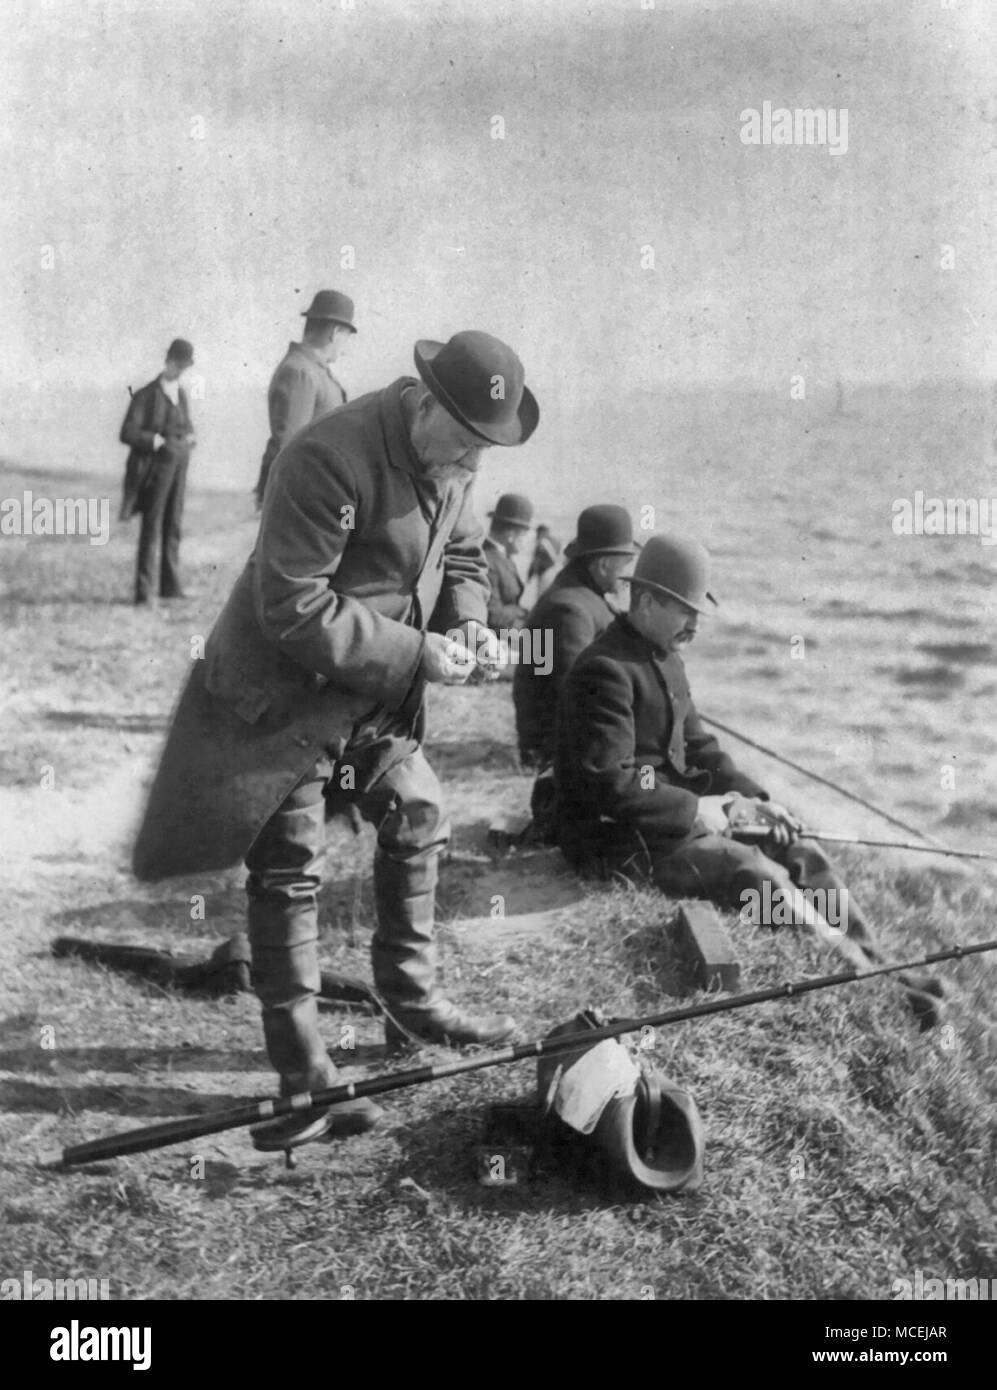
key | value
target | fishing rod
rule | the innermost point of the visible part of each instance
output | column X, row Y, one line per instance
column 178, row 1131
column 826, row 782
column 762, row 832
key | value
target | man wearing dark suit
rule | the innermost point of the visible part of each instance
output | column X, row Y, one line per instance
column 367, row 582
column 643, row 790
column 511, row 520
column 574, row 611
column 303, row 386
column 158, row 430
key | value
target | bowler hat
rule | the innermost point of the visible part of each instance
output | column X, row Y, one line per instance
column 512, row 509
column 677, row 567
column 603, row 530
column 480, row 382
column 332, row 306
column 181, row 352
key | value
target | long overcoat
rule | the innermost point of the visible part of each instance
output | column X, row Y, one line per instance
column 151, row 412
column 631, row 751
column 357, row 556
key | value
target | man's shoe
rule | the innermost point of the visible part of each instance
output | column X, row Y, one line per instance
column 180, row 594
column 336, row 1122
column 444, row 1023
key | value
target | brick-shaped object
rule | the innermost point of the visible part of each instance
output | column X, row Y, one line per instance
column 509, row 831
column 701, row 937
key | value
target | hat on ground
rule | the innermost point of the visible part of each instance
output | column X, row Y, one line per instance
column 333, row 307
column 677, row 567
column 603, row 530
column 181, row 352
column 512, row 509
column 480, row 381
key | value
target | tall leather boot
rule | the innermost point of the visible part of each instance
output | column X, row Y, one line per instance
column 403, row 953
column 282, row 938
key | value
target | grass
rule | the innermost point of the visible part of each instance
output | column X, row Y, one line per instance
column 844, row 1148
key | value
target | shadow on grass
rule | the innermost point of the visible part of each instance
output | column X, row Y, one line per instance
column 136, row 1101
column 124, row 1059
column 118, row 723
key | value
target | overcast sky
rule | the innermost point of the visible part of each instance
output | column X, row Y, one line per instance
column 370, row 125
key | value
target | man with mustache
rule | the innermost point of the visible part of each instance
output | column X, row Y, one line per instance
column 367, row 583
column 644, row 791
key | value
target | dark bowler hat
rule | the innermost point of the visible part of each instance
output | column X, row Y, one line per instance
column 512, row 509
column 332, row 306
column 480, row 381
column 181, row 352
column 603, row 530
column 680, row 568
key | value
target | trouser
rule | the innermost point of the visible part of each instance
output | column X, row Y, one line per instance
column 405, row 806
column 730, row 873
column 162, row 514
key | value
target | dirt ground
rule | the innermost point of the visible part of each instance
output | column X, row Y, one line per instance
column 845, row 1148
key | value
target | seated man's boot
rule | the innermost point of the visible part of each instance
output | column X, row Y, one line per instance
column 403, row 953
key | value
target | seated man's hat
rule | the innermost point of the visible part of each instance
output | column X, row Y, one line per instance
column 677, row 567
column 512, row 509
column 603, row 530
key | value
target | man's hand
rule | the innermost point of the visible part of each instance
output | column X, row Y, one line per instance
column 445, row 661
column 710, row 814
column 158, row 440
column 483, row 644
column 784, row 825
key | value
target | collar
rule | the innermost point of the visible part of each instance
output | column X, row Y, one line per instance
column 655, row 653
column 395, row 427
column 311, row 353
column 170, row 389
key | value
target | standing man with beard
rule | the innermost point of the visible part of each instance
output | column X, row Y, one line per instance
column 303, row 386
column 367, row 583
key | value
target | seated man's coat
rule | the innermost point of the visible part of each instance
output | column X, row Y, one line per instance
column 632, row 757
column 574, row 612
column 504, row 608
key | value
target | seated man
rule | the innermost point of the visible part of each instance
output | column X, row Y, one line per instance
column 643, row 789
column 510, row 522
column 573, row 611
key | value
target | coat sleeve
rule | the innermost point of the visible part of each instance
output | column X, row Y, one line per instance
column 599, row 703
column 464, row 592
column 703, row 751
column 299, row 549
column 132, row 432
column 292, row 404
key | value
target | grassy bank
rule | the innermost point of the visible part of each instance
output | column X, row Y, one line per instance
column 845, row 1149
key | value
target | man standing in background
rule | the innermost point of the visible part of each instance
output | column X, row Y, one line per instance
column 303, row 386
column 159, row 432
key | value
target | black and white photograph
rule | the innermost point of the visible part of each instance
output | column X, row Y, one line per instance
column 498, row 566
